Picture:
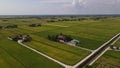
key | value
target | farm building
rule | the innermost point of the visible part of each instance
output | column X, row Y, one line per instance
column 61, row 37
column 74, row 41
column 23, row 38
column 115, row 47
column 64, row 39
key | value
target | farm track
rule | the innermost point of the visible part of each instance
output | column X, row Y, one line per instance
column 84, row 48
column 89, row 60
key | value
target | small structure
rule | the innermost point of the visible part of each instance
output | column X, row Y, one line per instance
column 115, row 47
column 22, row 38
column 65, row 39
column 61, row 37
column 74, row 41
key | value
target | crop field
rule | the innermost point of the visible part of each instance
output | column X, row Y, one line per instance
column 110, row 59
column 117, row 43
column 91, row 34
column 13, row 55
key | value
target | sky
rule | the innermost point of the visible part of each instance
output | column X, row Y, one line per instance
column 58, row 7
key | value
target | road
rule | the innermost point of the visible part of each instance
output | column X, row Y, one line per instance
column 90, row 59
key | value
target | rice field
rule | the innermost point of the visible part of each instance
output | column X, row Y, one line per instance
column 91, row 34
column 117, row 43
column 110, row 59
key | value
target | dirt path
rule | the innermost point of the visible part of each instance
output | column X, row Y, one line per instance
column 84, row 48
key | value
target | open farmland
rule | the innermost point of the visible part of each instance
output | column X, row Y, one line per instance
column 117, row 43
column 13, row 55
column 110, row 59
column 91, row 34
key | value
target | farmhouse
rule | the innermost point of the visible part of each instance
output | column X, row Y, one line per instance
column 61, row 37
column 23, row 38
column 64, row 39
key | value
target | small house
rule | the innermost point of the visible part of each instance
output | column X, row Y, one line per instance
column 24, row 38
column 61, row 37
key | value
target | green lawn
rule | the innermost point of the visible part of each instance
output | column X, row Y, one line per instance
column 110, row 59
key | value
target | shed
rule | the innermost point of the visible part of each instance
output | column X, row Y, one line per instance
column 74, row 41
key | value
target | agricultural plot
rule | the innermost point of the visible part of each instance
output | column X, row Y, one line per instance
column 117, row 43
column 91, row 34
column 13, row 55
column 53, row 49
column 110, row 59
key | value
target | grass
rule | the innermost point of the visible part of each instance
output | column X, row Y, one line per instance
column 91, row 34
column 117, row 43
column 13, row 55
column 53, row 49
column 7, row 61
column 108, row 60
column 71, row 55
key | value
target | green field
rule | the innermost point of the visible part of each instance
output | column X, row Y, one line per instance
column 53, row 49
column 13, row 55
column 91, row 34
column 110, row 59
column 117, row 43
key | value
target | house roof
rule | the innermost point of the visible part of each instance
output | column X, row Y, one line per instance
column 75, row 41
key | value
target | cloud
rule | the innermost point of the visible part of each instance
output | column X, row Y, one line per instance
column 60, row 6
